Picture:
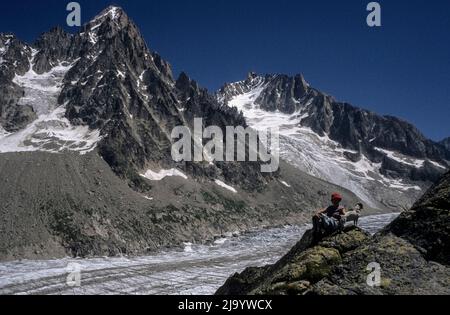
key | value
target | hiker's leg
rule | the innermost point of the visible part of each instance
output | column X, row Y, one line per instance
column 316, row 225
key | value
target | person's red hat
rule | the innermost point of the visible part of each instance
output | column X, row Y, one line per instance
column 336, row 197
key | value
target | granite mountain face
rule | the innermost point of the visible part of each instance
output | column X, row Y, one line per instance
column 14, row 58
column 383, row 159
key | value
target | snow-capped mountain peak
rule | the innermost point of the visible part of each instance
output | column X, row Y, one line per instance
column 109, row 21
column 104, row 89
column 383, row 160
column 278, row 92
column 113, row 12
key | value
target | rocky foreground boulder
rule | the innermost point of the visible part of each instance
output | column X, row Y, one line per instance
column 412, row 252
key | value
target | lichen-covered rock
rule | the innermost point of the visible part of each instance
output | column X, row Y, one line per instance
column 303, row 266
column 345, row 242
column 404, row 270
column 311, row 265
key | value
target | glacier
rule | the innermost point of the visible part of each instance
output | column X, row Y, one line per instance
column 193, row 269
column 51, row 131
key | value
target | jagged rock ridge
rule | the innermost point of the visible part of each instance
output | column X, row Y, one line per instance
column 446, row 143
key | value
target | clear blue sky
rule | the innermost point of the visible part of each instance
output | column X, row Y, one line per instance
column 401, row 69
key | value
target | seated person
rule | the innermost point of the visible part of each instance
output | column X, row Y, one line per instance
column 329, row 220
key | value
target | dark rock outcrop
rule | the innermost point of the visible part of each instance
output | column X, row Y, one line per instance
column 427, row 224
column 412, row 253
column 53, row 47
column 14, row 58
column 446, row 143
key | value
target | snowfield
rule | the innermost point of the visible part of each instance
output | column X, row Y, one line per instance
column 285, row 184
column 157, row 176
column 227, row 187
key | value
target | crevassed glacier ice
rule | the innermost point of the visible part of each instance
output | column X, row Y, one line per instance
column 51, row 131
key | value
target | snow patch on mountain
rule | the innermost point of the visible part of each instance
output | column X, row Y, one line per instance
column 158, row 176
column 438, row 165
column 223, row 185
column 285, row 184
column 112, row 12
column 417, row 163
